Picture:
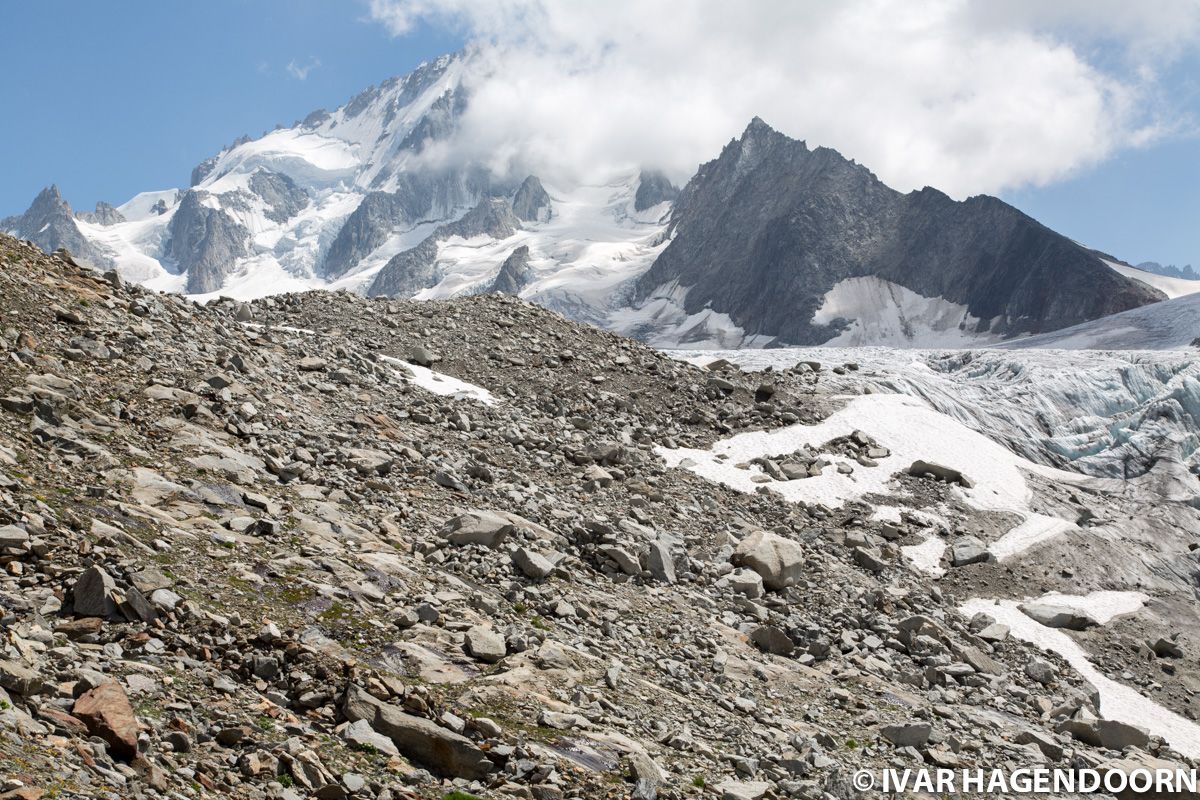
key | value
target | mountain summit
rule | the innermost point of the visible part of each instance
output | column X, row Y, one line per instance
column 770, row 243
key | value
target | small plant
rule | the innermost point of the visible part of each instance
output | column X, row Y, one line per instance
column 851, row 744
column 520, row 607
column 699, row 782
column 265, row 723
column 461, row 796
column 539, row 623
column 285, row 781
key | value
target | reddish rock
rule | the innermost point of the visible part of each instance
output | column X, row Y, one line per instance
column 63, row 721
column 107, row 713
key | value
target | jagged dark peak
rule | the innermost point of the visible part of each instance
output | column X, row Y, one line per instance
column 515, row 273
column 654, row 187
column 531, row 203
column 767, row 229
column 438, row 123
column 47, row 200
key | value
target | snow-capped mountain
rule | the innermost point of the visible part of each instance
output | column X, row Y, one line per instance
column 771, row 243
column 348, row 199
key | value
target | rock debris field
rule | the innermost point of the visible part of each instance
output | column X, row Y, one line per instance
column 323, row 546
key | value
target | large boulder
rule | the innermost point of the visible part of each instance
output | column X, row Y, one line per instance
column 779, row 561
column 1107, row 733
column 477, row 527
column 484, row 644
column 437, row 749
column 106, row 712
column 93, row 593
column 907, row 734
column 1055, row 616
column 490, row 528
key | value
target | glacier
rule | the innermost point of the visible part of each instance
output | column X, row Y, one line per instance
column 1114, row 414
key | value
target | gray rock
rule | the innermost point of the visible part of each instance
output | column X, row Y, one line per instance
column 531, row 563
column 18, row 678
column 484, row 644
column 907, row 734
column 948, row 474
column 743, row 790
column 1041, row 671
column 969, row 550
column 659, row 562
column 778, row 561
column 1054, row 616
column 362, row 735
column 13, row 537
column 771, row 639
column 435, row 748
column 1107, row 733
column 477, row 527
column 647, row 776
column 93, row 593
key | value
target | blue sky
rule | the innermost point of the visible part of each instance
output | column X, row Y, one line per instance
column 124, row 96
column 120, row 97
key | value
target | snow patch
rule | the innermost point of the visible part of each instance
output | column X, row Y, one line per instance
column 444, row 385
column 885, row 313
column 1117, row 701
column 1035, row 530
column 910, row 430
column 927, row 556
column 1171, row 287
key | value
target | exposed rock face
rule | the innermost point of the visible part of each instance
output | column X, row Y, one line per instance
column 380, row 214
column 653, row 188
column 531, row 203
column 204, row 242
column 765, row 230
column 104, row 214
column 283, row 197
column 416, row 269
column 514, row 273
column 50, row 224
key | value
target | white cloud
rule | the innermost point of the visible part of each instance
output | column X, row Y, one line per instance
column 967, row 95
column 300, row 71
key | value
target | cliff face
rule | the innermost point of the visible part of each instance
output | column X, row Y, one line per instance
column 764, row 231
column 205, row 243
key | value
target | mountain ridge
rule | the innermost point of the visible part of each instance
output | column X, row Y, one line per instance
column 770, row 243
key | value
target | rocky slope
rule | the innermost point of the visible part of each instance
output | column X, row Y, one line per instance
column 780, row 239
column 320, row 545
